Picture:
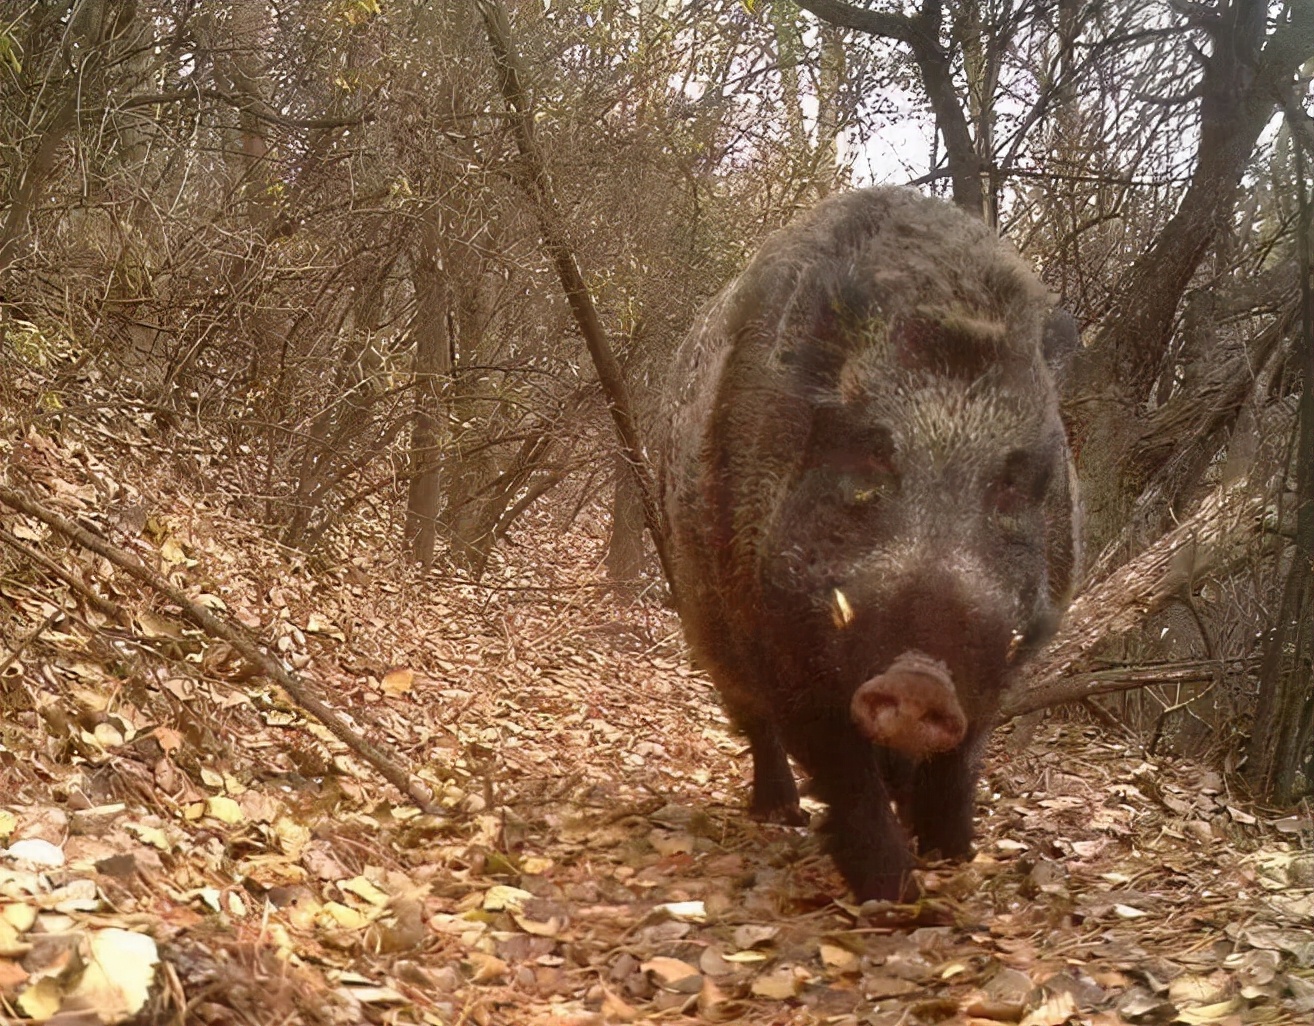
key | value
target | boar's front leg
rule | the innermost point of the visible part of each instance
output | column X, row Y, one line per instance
column 940, row 801
column 775, row 792
column 862, row 834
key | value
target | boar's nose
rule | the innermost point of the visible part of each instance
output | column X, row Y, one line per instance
column 911, row 707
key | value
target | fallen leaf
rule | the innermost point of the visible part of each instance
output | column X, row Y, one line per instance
column 363, row 888
column 345, row 916
column 670, row 971
column 615, row 1009
column 780, row 984
column 839, row 958
column 1055, row 1010
column 42, row 999
column 224, row 809
column 317, row 623
column 690, row 911
column 398, row 682
column 35, row 851
column 1204, row 1015
column 120, row 967
column 753, row 935
column 487, row 968
column 502, row 896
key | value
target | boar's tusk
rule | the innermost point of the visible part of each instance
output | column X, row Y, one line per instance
column 840, row 610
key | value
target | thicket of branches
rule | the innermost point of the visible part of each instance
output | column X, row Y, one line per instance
column 302, row 243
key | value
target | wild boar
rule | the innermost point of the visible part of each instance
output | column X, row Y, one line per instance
column 871, row 513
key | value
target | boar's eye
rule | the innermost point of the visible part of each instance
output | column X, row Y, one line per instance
column 855, row 456
column 1018, row 489
column 864, row 478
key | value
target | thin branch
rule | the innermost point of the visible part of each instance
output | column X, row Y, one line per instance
column 217, row 627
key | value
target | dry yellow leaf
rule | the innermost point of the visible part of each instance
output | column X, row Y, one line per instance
column 780, row 984
column 36, row 851
column 118, row 975
column 744, row 957
column 1205, row 1015
column 1197, row 990
column 616, row 1009
column 292, row 836
column 1055, row 1010
column 399, row 681
column 10, row 945
column 336, row 913
column 487, row 968
column 224, row 809
column 502, row 896
column 107, row 735
column 19, row 916
column 840, row 958
column 669, row 970
column 154, row 836
column 363, row 888
column 42, row 999
column 155, row 626
column 317, row 623
column 172, row 552
column 550, row 928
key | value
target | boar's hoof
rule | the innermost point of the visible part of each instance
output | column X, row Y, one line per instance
column 911, row 707
column 786, row 813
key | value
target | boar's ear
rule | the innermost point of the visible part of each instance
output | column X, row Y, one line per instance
column 1059, row 340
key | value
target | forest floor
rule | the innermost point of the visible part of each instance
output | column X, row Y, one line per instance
column 183, row 845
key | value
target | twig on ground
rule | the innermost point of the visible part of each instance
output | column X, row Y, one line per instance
column 215, row 626
column 102, row 604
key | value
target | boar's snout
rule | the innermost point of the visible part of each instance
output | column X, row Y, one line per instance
column 911, row 707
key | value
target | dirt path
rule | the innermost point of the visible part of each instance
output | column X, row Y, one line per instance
column 184, row 847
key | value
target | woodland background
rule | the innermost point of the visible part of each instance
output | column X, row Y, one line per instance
column 330, row 335
column 318, row 249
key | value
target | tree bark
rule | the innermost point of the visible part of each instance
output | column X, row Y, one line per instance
column 1112, row 380
column 433, row 365
column 533, row 177
column 73, row 75
column 1219, row 534
column 1284, row 720
column 625, row 550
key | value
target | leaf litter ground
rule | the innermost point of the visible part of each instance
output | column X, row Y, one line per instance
column 183, row 845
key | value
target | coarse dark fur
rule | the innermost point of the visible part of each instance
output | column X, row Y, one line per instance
column 868, row 409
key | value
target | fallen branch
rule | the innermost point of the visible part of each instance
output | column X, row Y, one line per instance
column 103, row 605
column 218, row 627
column 1082, row 686
column 1206, row 541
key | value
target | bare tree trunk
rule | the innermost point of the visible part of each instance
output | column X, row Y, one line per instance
column 335, row 447
column 532, row 174
column 921, row 34
column 73, row 76
column 831, row 79
column 433, row 365
column 475, row 524
column 1111, row 380
column 625, row 550
column 1280, row 746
